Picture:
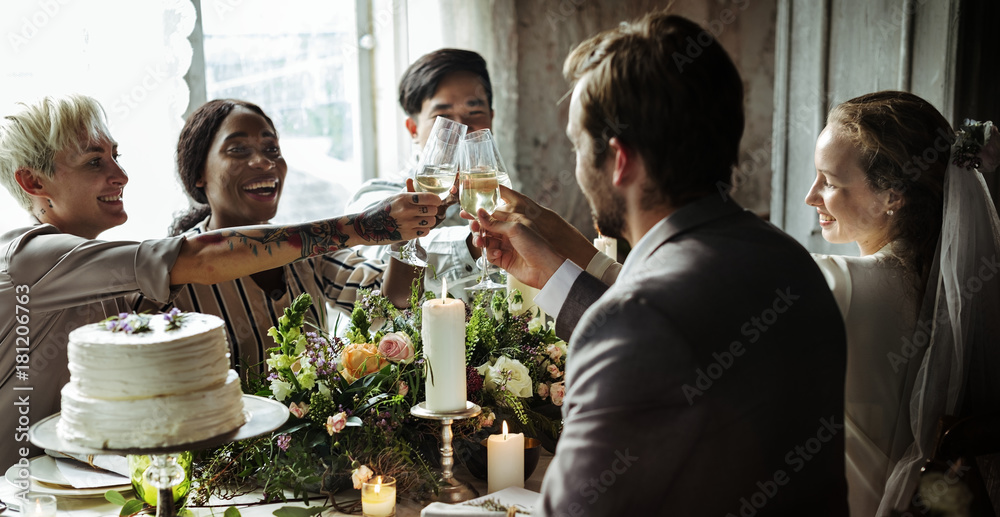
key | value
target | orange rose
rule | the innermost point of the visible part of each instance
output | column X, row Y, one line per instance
column 360, row 359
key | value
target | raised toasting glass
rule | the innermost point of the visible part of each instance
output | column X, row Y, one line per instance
column 478, row 187
column 435, row 171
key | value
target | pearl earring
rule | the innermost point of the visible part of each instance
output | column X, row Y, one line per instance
column 890, row 212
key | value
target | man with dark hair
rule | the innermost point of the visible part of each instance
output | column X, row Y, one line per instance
column 709, row 379
column 454, row 84
column 450, row 83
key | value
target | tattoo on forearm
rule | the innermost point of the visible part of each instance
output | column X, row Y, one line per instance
column 314, row 238
column 377, row 225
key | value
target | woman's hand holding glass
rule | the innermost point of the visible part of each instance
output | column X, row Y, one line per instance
column 435, row 171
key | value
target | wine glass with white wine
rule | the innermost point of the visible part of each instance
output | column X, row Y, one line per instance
column 435, row 171
column 478, row 187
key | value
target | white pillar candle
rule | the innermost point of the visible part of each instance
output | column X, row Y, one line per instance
column 443, row 329
column 505, row 460
column 607, row 245
column 527, row 296
column 378, row 498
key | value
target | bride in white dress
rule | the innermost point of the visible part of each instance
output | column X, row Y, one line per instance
column 920, row 304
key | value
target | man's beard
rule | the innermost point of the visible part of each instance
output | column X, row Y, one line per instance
column 607, row 207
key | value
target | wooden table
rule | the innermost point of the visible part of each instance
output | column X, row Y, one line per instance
column 98, row 507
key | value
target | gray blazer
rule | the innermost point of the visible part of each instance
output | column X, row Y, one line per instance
column 708, row 380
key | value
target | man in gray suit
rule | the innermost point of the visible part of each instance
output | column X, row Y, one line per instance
column 708, row 380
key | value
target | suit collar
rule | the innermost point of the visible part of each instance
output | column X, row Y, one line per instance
column 687, row 217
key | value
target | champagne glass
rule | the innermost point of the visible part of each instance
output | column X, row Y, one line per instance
column 435, row 171
column 503, row 175
column 478, row 187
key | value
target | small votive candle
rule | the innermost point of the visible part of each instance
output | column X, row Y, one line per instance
column 39, row 505
column 378, row 497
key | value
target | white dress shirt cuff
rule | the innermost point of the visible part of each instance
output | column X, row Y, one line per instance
column 554, row 293
column 604, row 268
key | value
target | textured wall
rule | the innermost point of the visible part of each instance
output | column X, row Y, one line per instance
column 546, row 31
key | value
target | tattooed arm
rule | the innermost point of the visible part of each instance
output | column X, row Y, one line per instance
column 229, row 253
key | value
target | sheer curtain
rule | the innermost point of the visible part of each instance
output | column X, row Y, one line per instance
column 130, row 56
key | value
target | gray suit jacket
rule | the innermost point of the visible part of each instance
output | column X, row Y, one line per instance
column 708, row 380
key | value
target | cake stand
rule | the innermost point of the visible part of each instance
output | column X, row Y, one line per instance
column 449, row 489
column 262, row 416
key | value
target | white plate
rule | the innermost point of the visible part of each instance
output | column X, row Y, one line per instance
column 46, row 479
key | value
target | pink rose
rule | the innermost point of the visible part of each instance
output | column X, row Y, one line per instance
column 361, row 475
column 543, row 390
column 554, row 352
column 336, row 423
column 554, row 371
column 488, row 420
column 396, row 347
column 558, row 391
column 300, row 410
column 402, row 388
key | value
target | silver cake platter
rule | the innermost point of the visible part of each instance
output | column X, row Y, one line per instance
column 262, row 416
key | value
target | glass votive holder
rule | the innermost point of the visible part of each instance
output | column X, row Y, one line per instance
column 378, row 497
column 146, row 492
column 39, row 505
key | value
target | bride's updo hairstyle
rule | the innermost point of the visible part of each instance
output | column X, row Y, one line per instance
column 903, row 144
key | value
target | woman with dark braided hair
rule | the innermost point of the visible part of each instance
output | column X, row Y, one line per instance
column 920, row 344
column 230, row 164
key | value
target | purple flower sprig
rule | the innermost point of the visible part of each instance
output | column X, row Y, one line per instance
column 174, row 318
column 129, row 323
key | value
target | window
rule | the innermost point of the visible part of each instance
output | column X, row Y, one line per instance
column 299, row 61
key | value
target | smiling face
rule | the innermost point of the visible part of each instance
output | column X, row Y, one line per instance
column 461, row 97
column 85, row 190
column 244, row 171
column 849, row 209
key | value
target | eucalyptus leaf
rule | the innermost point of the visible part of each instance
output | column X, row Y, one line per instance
column 231, row 512
column 296, row 511
column 114, row 497
column 353, row 421
column 132, row 507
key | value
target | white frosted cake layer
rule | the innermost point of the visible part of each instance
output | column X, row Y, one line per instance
column 157, row 388
column 117, row 365
column 153, row 422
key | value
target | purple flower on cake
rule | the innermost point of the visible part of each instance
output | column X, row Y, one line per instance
column 396, row 347
column 336, row 423
column 361, row 475
column 128, row 323
column 284, row 441
column 174, row 318
column 299, row 409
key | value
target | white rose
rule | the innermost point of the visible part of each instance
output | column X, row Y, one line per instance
column 518, row 380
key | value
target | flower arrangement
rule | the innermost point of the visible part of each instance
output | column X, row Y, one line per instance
column 973, row 148
column 349, row 399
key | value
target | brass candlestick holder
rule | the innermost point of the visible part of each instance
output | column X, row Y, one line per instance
column 449, row 489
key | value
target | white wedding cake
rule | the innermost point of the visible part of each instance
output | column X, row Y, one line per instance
column 141, row 381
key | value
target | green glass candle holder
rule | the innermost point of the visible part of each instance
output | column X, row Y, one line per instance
column 144, row 491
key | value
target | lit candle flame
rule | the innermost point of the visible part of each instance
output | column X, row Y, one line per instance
column 444, row 289
column 504, row 429
column 378, row 484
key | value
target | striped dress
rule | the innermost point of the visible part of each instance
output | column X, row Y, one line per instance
column 249, row 311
